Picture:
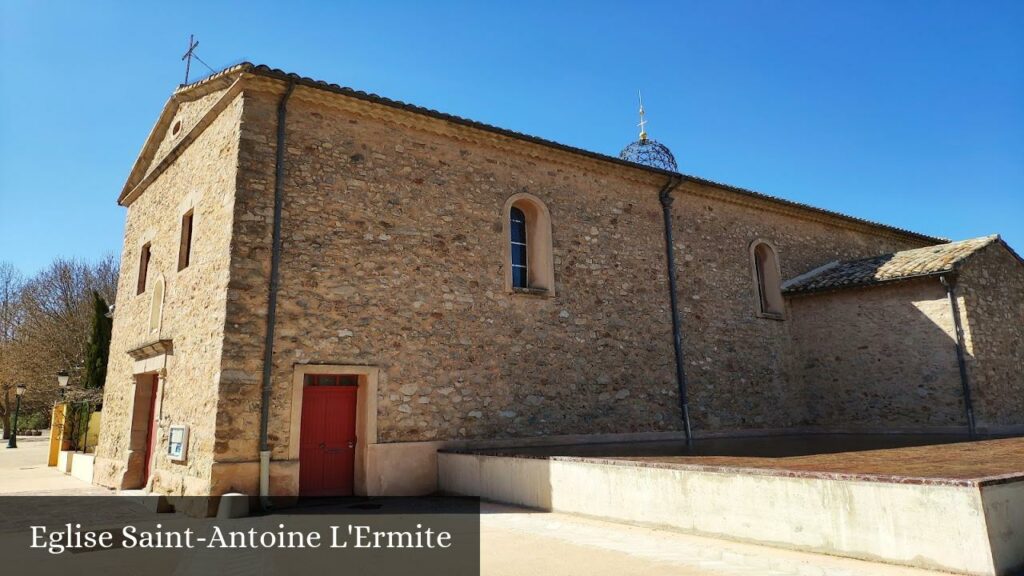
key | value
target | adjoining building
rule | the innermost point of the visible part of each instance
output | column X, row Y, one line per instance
column 321, row 287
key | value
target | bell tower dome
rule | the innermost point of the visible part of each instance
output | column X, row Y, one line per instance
column 647, row 151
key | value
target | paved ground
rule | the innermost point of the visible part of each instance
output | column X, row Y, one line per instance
column 518, row 542
column 23, row 470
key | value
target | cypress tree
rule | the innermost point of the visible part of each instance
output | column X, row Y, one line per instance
column 99, row 344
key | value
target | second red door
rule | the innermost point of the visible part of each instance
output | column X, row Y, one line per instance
column 328, row 441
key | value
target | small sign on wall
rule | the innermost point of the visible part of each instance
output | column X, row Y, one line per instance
column 177, row 445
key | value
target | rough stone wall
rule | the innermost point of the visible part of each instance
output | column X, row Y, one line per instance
column 740, row 366
column 392, row 256
column 991, row 289
column 239, row 396
column 878, row 357
column 194, row 307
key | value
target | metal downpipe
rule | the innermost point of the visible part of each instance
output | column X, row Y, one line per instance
column 665, row 196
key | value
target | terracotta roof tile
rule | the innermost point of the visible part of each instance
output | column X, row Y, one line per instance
column 928, row 261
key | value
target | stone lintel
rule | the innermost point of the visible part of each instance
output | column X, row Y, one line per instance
column 156, row 348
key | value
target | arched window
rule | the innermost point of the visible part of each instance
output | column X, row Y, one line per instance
column 156, row 306
column 767, row 280
column 529, row 265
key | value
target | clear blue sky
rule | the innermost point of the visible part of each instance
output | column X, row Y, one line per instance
column 910, row 113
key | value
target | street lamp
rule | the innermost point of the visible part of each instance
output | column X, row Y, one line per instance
column 19, row 391
column 62, row 382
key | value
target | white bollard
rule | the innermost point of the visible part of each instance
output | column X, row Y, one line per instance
column 233, row 505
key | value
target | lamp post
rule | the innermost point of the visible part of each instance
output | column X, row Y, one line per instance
column 19, row 391
column 62, row 382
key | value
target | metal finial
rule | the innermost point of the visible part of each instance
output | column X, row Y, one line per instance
column 643, row 122
column 647, row 151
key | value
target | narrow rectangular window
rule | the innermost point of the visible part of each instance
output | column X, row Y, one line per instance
column 520, row 269
column 185, row 248
column 143, row 268
column 331, row 380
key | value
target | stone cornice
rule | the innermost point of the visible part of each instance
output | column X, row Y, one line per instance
column 714, row 191
column 535, row 151
column 152, row 349
column 438, row 127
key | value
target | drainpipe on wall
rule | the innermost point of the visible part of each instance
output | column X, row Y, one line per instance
column 275, row 266
column 677, row 338
column 950, row 284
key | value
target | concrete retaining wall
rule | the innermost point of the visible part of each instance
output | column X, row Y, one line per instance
column 938, row 525
column 81, row 466
column 64, row 459
column 1004, row 518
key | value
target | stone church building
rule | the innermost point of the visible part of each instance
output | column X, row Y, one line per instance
column 322, row 287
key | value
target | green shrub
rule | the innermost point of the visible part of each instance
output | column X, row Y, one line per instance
column 34, row 421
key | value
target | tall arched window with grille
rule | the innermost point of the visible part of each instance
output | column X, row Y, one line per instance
column 529, row 262
column 520, row 256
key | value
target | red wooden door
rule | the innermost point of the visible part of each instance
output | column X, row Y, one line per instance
column 327, row 452
column 150, row 429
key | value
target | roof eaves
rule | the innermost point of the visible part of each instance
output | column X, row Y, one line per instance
column 241, row 66
column 871, row 284
column 988, row 241
column 808, row 275
column 993, row 239
column 267, row 71
column 1009, row 249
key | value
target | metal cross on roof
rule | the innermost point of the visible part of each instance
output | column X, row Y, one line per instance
column 187, row 56
column 643, row 122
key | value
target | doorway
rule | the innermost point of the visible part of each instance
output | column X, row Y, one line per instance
column 328, row 435
column 154, row 386
column 144, row 431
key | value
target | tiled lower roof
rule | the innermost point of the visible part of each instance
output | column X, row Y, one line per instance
column 928, row 261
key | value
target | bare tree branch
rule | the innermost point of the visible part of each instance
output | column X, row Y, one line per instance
column 44, row 328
